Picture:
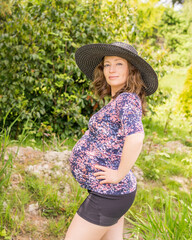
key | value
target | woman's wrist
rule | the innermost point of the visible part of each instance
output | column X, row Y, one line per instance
column 120, row 176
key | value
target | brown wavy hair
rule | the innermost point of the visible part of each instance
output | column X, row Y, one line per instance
column 134, row 84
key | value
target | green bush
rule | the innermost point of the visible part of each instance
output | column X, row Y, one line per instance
column 174, row 37
column 185, row 98
column 39, row 77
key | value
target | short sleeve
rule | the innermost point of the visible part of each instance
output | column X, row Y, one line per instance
column 129, row 111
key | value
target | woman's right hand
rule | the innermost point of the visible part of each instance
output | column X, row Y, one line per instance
column 107, row 175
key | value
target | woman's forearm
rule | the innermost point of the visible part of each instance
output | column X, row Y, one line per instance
column 131, row 150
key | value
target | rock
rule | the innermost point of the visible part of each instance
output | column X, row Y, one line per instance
column 33, row 208
column 176, row 146
column 169, row 147
column 51, row 159
column 183, row 181
column 24, row 154
column 138, row 173
column 4, row 206
column 45, row 166
column 57, row 156
column 59, row 164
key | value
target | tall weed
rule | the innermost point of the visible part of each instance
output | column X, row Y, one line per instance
column 173, row 221
column 5, row 164
column 8, row 216
column 6, row 161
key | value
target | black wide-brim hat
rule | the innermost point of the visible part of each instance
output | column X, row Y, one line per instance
column 89, row 56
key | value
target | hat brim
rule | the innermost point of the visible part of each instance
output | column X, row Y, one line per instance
column 89, row 56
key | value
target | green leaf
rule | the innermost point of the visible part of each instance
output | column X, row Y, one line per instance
column 3, row 233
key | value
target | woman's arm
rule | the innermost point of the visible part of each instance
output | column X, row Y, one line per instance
column 131, row 150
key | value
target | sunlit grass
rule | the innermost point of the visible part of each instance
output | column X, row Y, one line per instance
column 171, row 221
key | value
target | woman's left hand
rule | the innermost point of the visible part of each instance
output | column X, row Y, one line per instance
column 107, row 174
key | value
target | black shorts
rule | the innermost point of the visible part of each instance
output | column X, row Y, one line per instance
column 105, row 210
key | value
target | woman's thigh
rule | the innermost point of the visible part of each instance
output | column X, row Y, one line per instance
column 83, row 230
column 115, row 232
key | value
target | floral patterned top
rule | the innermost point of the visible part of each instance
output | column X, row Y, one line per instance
column 102, row 144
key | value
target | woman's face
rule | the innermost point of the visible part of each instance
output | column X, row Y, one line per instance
column 115, row 72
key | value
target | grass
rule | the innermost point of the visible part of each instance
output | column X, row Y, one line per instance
column 171, row 221
column 51, row 143
column 46, row 195
column 158, row 165
column 162, row 209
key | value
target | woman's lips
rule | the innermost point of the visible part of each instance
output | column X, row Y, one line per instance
column 112, row 77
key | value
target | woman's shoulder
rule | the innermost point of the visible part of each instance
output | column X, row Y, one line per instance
column 128, row 97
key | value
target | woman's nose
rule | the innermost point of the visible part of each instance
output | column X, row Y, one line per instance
column 112, row 68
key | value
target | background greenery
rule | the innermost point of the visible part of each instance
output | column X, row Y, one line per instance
column 39, row 78
column 45, row 102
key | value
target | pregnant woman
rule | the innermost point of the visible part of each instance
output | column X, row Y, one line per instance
column 102, row 159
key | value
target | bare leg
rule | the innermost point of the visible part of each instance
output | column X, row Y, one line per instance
column 115, row 232
column 83, row 230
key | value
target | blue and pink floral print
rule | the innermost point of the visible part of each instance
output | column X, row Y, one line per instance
column 102, row 144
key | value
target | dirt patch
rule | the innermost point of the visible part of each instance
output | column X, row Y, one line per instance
column 176, row 146
column 169, row 147
column 184, row 182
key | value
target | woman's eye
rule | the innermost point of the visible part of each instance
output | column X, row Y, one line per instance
column 108, row 65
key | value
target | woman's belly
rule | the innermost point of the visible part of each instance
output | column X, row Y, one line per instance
column 85, row 155
column 82, row 161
